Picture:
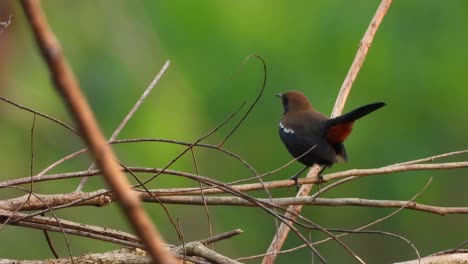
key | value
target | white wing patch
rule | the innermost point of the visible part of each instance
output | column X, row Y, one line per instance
column 285, row 129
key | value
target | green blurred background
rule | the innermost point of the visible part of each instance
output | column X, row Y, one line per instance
column 417, row 64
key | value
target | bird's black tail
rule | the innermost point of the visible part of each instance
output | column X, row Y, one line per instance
column 355, row 114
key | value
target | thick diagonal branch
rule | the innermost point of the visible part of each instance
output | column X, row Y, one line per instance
column 67, row 85
column 283, row 230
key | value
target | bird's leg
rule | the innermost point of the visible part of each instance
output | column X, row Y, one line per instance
column 320, row 177
column 296, row 176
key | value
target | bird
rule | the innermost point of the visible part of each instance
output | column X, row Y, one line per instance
column 313, row 138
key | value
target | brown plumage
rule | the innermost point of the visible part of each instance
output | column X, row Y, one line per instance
column 311, row 136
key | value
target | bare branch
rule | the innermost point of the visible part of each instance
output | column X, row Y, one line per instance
column 456, row 257
column 102, row 198
column 244, row 187
column 222, row 236
column 42, row 201
column 69, row 227
column 121, row 256
column 199, row 250
column 430, row 159
column 140, row 101
column 236, row 201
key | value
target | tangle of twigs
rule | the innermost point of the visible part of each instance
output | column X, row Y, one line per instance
column 285, row 210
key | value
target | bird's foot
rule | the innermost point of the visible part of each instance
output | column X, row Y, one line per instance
column 320, row 181
column 296, row 176
column 296, row 182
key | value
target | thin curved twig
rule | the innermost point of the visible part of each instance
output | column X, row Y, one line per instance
column 177, row 142
column 196, row 142
column 122, row 141
column 53, row 119
column 254, row 102
column 46, row 234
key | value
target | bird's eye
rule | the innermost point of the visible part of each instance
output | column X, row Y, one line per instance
column 285, row 103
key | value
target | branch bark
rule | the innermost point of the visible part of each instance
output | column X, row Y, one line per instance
column 408, row 166
column 455, row 257
column 69, row 227
column 236, row 201
column 135, row 256
column 121, row 256
column 199, row 250
column 102, row 198
column 66, row 83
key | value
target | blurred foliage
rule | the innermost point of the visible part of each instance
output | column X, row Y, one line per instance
column 417, row 64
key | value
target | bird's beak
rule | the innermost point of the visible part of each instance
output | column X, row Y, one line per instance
column 279, row 95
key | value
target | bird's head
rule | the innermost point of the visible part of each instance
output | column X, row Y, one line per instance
column 294, row 101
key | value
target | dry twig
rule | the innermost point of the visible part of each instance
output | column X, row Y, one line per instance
column 53, row 119
column 129, row 115
column 69, row 227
